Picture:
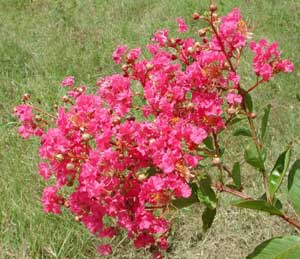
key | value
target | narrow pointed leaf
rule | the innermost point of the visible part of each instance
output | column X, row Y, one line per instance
column 208, row 142
column 294, row 185
column 259, row 205
column 287, row 247
column 248, row 100
column 235, row 120
column 236, row 174
column 242, row 132
column 276, row 202
column 264, row 122
column 208, row 217
column 278, row 172
column 182, row 203
column 253, row 156
column 206, row 194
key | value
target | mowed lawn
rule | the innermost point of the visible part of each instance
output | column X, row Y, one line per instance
column 41, row 41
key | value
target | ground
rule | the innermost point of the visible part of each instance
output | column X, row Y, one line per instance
column 41, row 41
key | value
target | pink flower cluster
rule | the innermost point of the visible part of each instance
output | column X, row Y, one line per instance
column 131, row 149
column 267, row 61
column 28, row 126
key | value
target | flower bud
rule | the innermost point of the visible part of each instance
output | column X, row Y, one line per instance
column 149, row 66
column 190, row 50
column 201, row 32
column 190, row 106
column 116, row 121
column 70, row 166
column 26, row 97
column 197, row 45
column 231, row 110
column 142, row 177
column 131, row 118
column 216, row 161
column 195, row 16
column 67, row 204
column 205, row 40
column 252, row 115
column 65, row 99
column 213, row 8
column 173, row 41
column 78, row 218
column 86, row 136
column 125, row 68
column 38, row 118
column 59, row 157
column 151, row 141
column 80, row 90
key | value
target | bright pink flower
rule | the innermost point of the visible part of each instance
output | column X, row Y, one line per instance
column 24, row 112
column 68, row 81
column 53, row 142
column 44, row 170
column 26, row 130
column 115, row 90
column 51, row 201
column 161, row 37
column 233, row 98
column 182, row 27
column 163, row 243
column 157, row 255
column 104, row 249
column 133, row 54
column 118, row 53
column 265, row 71
column 198, row 135
column 143, row 240
column 285, row 66
column 267, row 60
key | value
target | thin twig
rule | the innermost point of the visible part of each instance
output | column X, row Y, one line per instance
column 222, row 188
column 255, row 85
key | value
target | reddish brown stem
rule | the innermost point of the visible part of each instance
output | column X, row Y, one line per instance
column 291, row 221
column 222, row 188
column 241, row 91
column 43, row 112
column 255, row 85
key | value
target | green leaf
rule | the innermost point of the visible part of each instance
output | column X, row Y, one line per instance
column 260, row 205
column 236, row 174
column 242, row 132
column 263, row 154
column 294, row 185
column 253, row 156
column 235, row 120
column 208, row 217
column 264, row 121
column 183, row 203
column 276, row 202
column 248, row 101
column 278, row 172
column 208, row 142
column 206, row 194
column 287, row 247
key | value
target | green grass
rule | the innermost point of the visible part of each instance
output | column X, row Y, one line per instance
column 42, row 41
